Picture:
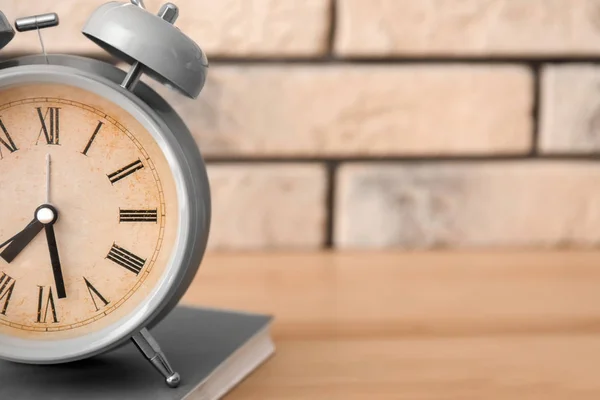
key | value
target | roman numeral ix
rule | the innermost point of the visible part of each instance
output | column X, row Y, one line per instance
column 95, row 295
column 6, row 141
column 138, row 215
column 7, row 285
column 44, row 305
column 125, row 171
column 126, row 259
column 50, row 124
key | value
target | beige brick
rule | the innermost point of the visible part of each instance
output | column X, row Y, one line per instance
column 491, row 204
column 268, row 206
column 223, row 27
column 570, row 112
column 361, row 110
column 258, row 27
column 468, row 27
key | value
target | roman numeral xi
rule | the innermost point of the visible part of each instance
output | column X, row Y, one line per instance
column 5, row 140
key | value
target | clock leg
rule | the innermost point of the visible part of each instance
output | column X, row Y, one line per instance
column 151, row 350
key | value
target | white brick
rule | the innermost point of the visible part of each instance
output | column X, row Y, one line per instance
column 468, row 27
column 221, row 28
column 570, row 112
column 457, row 205
column 268, row 206
column 362, row 110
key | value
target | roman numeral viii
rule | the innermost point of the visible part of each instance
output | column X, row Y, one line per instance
column 95, row 295
column 138, row 215
column 45, row 305
column 126, row 259
column 7, row 285
column 6, row 140
column 50, row 121
column 125, row 171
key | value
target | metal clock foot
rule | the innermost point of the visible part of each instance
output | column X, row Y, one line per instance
column 151, row 350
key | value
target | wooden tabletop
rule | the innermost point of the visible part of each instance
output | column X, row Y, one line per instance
column 417, row 326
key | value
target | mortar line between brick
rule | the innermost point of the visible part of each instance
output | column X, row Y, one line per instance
column 331, row 182
column 336, row 60
column 333, row 9
column 536, row 109
column 404, row 159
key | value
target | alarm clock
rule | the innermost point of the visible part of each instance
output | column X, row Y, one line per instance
column 104, row 198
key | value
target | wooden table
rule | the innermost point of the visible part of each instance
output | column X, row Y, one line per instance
column 417, row 326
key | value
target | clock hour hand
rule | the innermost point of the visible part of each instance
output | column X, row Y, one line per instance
column 17, row 243
column 43, row 215
column 55, row 260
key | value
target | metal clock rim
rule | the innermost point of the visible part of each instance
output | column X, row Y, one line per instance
column 58, row 351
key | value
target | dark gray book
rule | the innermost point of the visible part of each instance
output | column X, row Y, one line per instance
column 213, row 350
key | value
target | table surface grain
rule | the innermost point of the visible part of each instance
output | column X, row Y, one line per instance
column 489, row 325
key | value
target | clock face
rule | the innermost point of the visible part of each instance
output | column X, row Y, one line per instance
column 91, row 253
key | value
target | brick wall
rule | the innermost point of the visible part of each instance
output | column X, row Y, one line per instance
column 388, row 123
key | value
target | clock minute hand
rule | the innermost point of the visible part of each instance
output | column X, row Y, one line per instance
column 55, row 260
column 50, row 219
column 21, row 240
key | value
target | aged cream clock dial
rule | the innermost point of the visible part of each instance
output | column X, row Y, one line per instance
column 111, row 207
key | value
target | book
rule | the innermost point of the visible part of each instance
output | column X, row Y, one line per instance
column 212, row 349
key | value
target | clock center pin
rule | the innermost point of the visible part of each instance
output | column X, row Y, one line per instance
column 45, row 215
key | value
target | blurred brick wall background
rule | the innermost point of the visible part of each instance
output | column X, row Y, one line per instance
column 387, row 123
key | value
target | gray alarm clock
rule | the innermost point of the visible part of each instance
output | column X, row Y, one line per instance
column 104, row 197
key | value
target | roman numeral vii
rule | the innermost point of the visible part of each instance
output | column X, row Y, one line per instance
column 45, row 305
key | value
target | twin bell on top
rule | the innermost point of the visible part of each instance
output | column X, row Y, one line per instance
column 150, row 43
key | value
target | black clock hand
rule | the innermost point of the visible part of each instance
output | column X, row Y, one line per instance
column 48, row 215
column 21, row 240
column 55, row 259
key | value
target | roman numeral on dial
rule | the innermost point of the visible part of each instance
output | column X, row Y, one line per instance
column 46, row 306
column 7, row 285
column 89, row 143
column 125, row 171
column 6, row 140
column 50, row 121
column 138, row 215
column 95, row 295
column 126, row 259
